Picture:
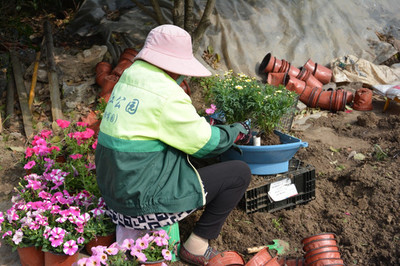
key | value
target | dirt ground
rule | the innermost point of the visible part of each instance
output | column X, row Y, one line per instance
column 356, row 198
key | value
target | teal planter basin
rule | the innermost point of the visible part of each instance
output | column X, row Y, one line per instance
column 268, row 159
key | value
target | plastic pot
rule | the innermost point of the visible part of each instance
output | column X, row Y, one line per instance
column 261, row 258
column 100, row 241
column 102, row 70
column 308, row 78
column 321, row 249
column 320, row 243
column 31, row 256
column 363, row 100
column 128, row 54
column 306, row 240
column 294, row 84
column 323, row 255
column 108, row 85
column 54, row 259
column 277, row 79
column 322, row 73
column 269, row 64
column 226, row 258
column 121, row 66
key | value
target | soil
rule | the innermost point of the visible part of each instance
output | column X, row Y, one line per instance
column 356, row 160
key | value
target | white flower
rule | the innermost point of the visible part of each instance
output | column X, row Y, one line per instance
column 17, row 238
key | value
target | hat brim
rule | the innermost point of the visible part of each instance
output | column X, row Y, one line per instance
column 187, row 67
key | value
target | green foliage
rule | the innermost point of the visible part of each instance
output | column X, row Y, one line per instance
column 277, row 224
column 379, row 154
column 240, row 97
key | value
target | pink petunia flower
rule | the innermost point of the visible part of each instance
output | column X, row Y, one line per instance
column 76, row 156
column 94, row 145
column 29, row 165
column 82, row 124
column 70, row 247
column 211, row 110
column 63, row 123
column 166, row 254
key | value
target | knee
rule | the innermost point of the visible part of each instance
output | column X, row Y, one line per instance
column 243, row 172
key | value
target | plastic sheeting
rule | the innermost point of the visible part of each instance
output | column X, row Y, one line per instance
column 244, row 31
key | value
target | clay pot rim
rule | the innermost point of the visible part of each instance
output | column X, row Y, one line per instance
column 264, row 63
column 264, row 253
column 314, row 249
column 305, row 247
column 322, row 253
column 234, row 258
column 317, row 235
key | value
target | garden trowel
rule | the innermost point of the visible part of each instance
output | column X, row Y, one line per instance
column 279, row 245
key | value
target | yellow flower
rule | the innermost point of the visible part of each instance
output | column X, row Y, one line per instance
column 239, row 87
column 278, row 91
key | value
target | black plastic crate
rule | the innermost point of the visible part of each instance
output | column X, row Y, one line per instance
column 256, row 199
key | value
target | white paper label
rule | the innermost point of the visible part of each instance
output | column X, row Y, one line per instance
column 282, row 189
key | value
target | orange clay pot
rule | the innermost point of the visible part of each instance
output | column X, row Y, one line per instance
column 31, row 256
column 108, row 85
column 185, row 86
column 320, row 72
column 263, row 257
column 323, row 255
column 320, row 243
column 102, row 70
column 269, row 64
column 320, row 249
column 120, row 67
column 306, row 240
column 100, row 241
column 128, row 54
column 363, row 100
column 294, row 84
column 308, row 78
column 287, row 67
column 277, row 79
column 226, row 258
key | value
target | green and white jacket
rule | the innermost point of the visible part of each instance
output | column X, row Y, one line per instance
column 147, row 131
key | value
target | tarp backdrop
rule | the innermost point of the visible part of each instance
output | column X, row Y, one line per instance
column 244, row 31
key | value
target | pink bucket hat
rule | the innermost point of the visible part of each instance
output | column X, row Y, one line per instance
column 170, row 48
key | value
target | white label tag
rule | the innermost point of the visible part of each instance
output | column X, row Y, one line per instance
column 282, row 189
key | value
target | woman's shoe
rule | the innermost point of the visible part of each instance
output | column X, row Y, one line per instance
column 197, row 259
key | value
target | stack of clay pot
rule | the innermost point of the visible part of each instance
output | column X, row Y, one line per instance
column 321, row 249
column 263, row 258
column 307, row 81
column 106, row 77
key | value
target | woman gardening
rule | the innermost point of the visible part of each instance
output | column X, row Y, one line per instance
column 149, row 132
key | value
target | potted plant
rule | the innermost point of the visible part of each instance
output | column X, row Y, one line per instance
column 57, row 207
column 237, row 98
column 152, row 249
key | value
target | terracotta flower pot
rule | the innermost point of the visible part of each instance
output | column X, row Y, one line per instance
column 324, row 262
column 294, row 84
column 54, row 259
column 128, row 54
column 308, row 78
column 349, row 97
column 323, row 255
column 363, row 100
column 261, row 258
column 269, row 64
column 120, row 67
column 319, row 243
column 320, row 249
column 102, row 70
column 287, row 67
column 307, row 240
column 31, row 256
column 100, row 241
column 108, row 85
column 277, row 79
column 153, row 263
column 226, row 258
column 322, row 73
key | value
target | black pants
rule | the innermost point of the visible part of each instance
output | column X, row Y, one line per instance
column 225, row 184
